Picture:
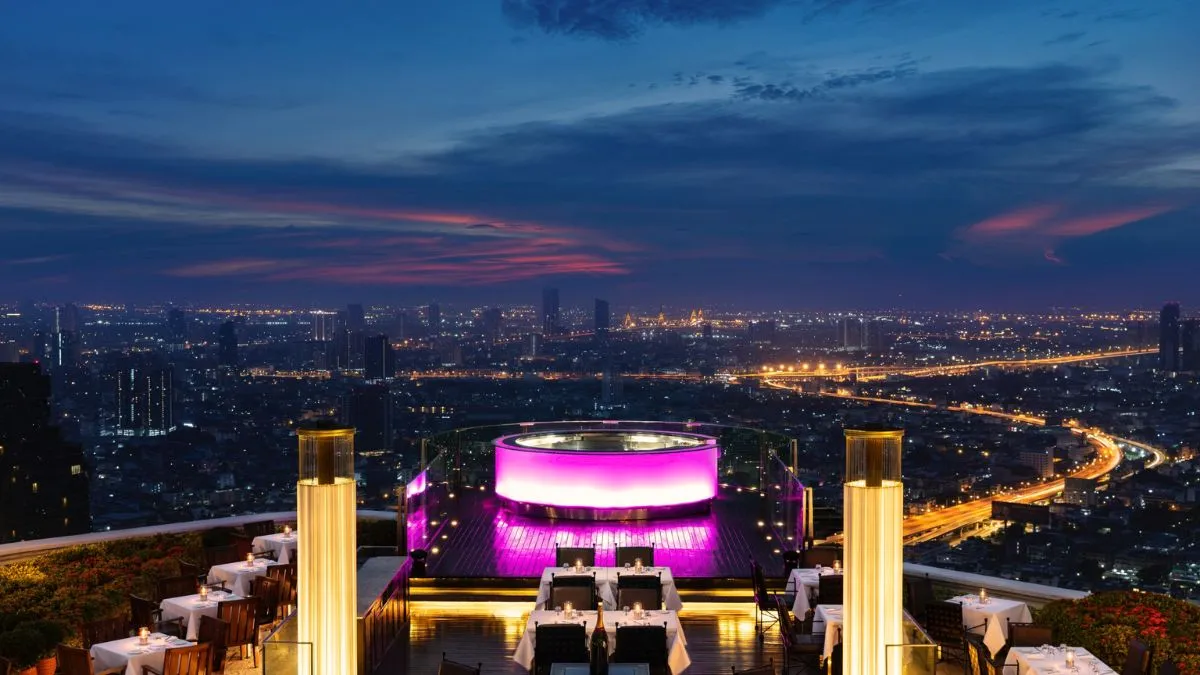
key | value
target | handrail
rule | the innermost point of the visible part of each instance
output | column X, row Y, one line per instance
column 1030, row 593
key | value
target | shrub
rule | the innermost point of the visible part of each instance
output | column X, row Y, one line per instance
column 23, row 646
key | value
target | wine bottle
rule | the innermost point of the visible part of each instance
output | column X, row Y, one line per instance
column 599, row 661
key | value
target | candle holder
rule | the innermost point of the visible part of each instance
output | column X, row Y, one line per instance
column 579, row 564
column 637, row 564
column 983, row 596
column 143, row 636
column 287, row 530
column 837, row 566
column 568, row 610
column 249, row 560
column 638, row 612
column 1070, row 657
column 203, row 593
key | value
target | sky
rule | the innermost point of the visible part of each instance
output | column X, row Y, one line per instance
column 764, row 153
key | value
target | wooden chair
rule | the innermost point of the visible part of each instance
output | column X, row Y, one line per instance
column 449, row 667
column 558, row 643
column 944, row 623
column 266, row 589
column 174, row 587
column 259, row 528
column 145, row 613
column 567, row 555
column 830, row 589
column 240, row 614
column 243, row 545
column 1029, row 635
column 192, row 660
column 643, row 644
column 1137, row 661
column 821, row 555
column 643, row 588
column 103, row 630
column 579, row 590
column 627, row 554
column 220, row 555
column 212, row 631
column 798, row 638
column 73, row 661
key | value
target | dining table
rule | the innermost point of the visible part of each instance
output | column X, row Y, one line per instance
column 191, row 607
column 828, row 619
column 1049, row 660
column 677, row 655
column 130, row 654
column 608, row 580
column 283, row 545
column 237, row 575
column 996, row 612
column 804, row 582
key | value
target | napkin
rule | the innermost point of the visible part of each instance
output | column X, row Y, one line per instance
column 1034, row 656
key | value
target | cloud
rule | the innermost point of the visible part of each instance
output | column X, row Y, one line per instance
column 626, row 19
column 1065, row 38
column 832, row 82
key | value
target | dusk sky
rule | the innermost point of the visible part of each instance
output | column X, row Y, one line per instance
column 794, row 153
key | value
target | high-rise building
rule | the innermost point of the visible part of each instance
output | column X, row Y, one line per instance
column 356, row 318
column 64, row 341
column 850, row 333
column 601, row 318
column 433, row 316
column 45, row 483
column 9, row 353
column 492, row 323
column 369, row 410
column 1168, row 338
column 379, row 359
column 1190, row 342
column 177, row 326
column 324, row 326
column 551, row 321
column 144, row 397
column 227, row 345
column 761, row 332
column 66, row 318
column 1080, row 491
column 1041, row 460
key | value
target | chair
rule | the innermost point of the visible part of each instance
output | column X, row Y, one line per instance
column 829, row 589
column 243, row 545
column 835, row 660
column 191, row 569
column 266, row 590
column 74, row 661
column 212, row 631
column 1137, row 661
column 627, row 554
column 220, row 555
column 768, row 669
column 1029, row 635
column 798, row 639
column 145, row 613
column 102, row 630
column 558, row 643
column 240, row 615
column 944, row 623
column 174, row 587
column 643, row 588
column 567, row 555
column 643, row 644
column 1168, row 668
column 765, row 606
column 976, row 654
column 192, row 660
column 449, row 667
column 918, row 592
column 822, row 555
column 579, row 590
column 259, row 528
column 994, row 664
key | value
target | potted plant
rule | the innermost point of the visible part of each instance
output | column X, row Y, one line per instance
column 23, row 646
column 51, row 634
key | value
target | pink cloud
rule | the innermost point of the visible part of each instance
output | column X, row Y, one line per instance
column 1013, row 221
column 1089, row 225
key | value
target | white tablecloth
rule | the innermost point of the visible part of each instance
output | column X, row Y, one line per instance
column 828, row 618
column 804, row 581
column 1030, row 661
column 190, row 609
column 284, row 546
column 998, row 612
column 237, row 575
column 128, row 654
column 677, row 656
column 607, row 579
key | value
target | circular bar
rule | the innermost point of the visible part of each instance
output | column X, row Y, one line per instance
column 606, row 474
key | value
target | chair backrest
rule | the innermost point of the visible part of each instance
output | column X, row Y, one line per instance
column 219, row 555
column 103, row 630
column 650, row 598
column 189, row 569
column 558, row 643
column 174, row 587
column 768, row 669
column 243, row 545
column 642, row 644
column 761, row 596
column 266, row 590
column 567, row 555
column 1137, row 661
column 786, row 629
column 212, row 631
column 944, row 622
column 73, row 661
column 580, row 597
column 194, row 660
column 976, row 654
column 239, row 614
column 829, row 589
column 1029, row 635
column 1168, row 668
column 259, row 528
column 919, row 593
column 143, row 612
column 627, row 554
column 449, row 667
column 821, row 555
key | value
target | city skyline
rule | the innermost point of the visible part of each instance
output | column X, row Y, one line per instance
column 1024, row 155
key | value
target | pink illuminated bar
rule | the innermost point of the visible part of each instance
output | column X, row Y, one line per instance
column 606, row 474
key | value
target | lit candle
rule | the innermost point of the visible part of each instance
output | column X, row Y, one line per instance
column 1070, row 657
column 249, row 560
column 579, row 564
column 837, row 565
column 637, row 610
column 637, row 564
column 568, row 609
column 983, row 598
column 204, row 593
column 287, row 530
column 144, row 635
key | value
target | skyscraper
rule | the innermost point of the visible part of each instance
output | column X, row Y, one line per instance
column 64, row 341
column 369, row 410
column 323, row 326
column 379, row 359
column 144, row 397
column 601, row 318
column 45, row 485
column 1191, row 346
column 227, row 345
column 1168, row 338
column 433, row 315
column 355, row 317
column 492, row 322
column 177, row 326
column 550, row 311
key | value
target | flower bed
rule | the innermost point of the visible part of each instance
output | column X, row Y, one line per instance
column 84, row 583
column 1105, row 622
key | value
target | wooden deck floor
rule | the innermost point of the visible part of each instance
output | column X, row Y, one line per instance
column 488, row 541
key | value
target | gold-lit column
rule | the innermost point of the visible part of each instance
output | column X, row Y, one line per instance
column 327, row 584
column 874, row 565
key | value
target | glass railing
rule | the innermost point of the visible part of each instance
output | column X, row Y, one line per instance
column 284, row 653
column 918, row 655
